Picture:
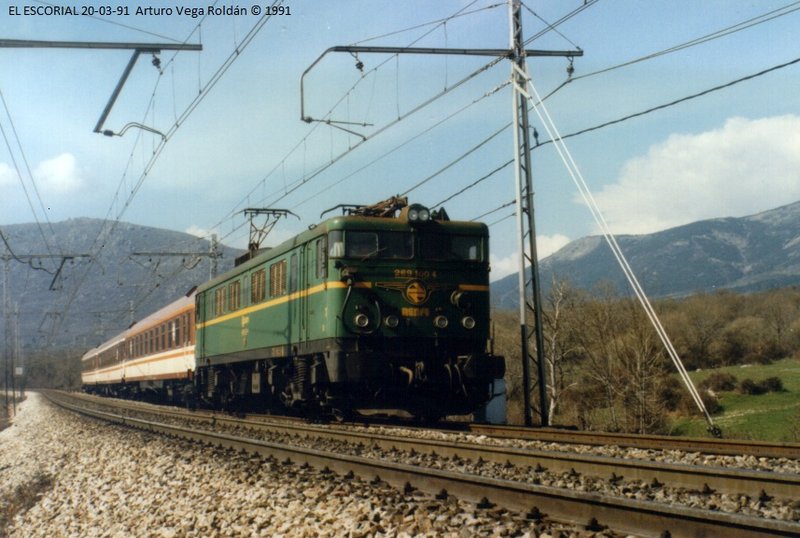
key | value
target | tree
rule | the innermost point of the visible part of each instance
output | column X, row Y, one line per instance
column 559, row 344
column 694, row 324
column 622, row 359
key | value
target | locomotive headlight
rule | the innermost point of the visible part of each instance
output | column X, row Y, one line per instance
column 468, row 322
column 391, row 321
column 440, row 322
column 417, row 214
column 361, row 320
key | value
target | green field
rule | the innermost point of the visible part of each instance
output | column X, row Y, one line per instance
column 774, row 416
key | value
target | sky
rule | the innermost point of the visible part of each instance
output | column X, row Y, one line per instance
column 223, row 130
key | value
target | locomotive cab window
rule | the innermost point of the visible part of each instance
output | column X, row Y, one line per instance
column 452, row 247
column 336, row 241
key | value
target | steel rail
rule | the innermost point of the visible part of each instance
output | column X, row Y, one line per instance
column 734, row 447
column 753, row 483
column 624, row 515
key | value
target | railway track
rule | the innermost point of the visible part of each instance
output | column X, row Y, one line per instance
column 652, row 442
column 590, row 509
column 734, row 447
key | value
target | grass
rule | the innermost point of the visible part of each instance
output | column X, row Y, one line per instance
column 774, row 416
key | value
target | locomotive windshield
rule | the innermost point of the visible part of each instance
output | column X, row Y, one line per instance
column 400, row 246
column 451, row 247
column 383, row 245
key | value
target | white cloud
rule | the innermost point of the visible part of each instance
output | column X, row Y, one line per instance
column 548, row 244
column 7, row 175
column 197, row 231
column 58, row 175
column 545, row 245
column 502, row 267
column 745, row 167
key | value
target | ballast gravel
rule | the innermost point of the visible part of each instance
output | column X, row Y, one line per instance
column 763, row 507
column 66, row 476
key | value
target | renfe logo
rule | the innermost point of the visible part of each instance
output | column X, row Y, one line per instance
column 416, row 293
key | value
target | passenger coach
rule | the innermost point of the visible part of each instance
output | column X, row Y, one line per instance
column 153, row 359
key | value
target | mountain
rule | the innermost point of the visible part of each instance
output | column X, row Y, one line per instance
column 114, row 288
column 751, row 253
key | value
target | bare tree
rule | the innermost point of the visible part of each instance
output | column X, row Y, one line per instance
column 559, row 344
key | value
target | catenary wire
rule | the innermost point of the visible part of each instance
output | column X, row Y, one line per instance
column 106, row 232
column 115, row 23
column 677, row 101
column 749, row 23
column 236, row 210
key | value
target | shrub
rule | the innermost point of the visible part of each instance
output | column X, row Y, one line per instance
column 719, row 381
column 748, row 386
column 689, row 407
column 773, row 384
column 671, row 394
column 711, row 402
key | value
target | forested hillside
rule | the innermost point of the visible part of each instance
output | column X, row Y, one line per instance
column 607, row 370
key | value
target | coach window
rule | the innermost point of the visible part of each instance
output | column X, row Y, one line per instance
column 277, row 279
column 322, row 260
column 219, row 301
column 293, row 273
column 258, row 282
column 234, row 295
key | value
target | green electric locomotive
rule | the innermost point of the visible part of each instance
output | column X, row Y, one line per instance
column 383, row 307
